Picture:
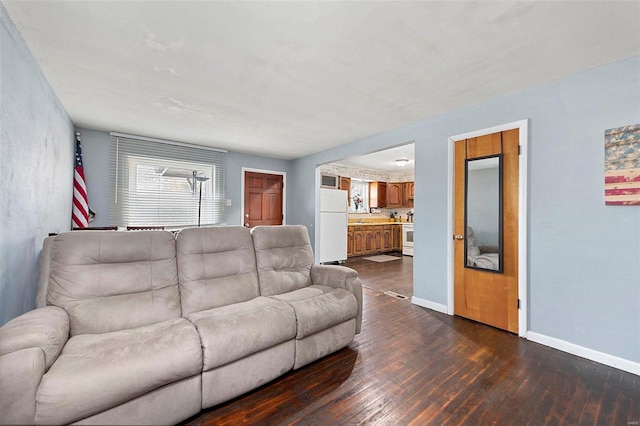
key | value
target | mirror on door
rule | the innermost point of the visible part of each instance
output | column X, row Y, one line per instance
column 483, row 213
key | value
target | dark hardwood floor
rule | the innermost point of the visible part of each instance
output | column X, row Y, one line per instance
column 411, row 365
column 395, row 275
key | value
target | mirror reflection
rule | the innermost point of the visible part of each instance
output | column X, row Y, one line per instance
column 483, row 213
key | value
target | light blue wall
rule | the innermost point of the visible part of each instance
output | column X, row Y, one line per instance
column 36, row 169
column 584, row 257
column 96, row 150
column 235, row 163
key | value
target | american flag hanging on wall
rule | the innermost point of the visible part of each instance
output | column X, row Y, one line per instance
column 80, row 210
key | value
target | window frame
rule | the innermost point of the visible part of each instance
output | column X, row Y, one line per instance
column 129, row 153
column 364, row 196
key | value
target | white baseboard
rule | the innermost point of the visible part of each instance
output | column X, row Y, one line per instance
column 429, row 304
column 593, row 355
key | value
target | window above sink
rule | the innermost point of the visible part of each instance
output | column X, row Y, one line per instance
column 359, row 196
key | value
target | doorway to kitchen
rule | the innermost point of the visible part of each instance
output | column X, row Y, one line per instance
column 380, row 195
column 489, row 168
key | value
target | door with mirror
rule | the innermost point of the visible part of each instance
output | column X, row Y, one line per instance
column 486, row 229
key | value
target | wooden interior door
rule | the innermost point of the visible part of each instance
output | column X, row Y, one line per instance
column 488, row 297
column 262, row 199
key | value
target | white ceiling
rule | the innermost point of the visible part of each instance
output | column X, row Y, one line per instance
column 384, row 160
column 288, row 79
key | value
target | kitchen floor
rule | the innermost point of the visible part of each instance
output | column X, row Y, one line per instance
column 394, row 275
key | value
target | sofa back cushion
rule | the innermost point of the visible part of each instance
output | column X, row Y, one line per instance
column 284, row 258
column 216, row 267
column 110, row 281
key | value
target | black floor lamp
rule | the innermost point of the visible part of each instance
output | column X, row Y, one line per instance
column 200, row 179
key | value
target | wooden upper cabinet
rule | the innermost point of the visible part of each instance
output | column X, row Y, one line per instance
column 407, row 194
column 400, row 194
column 408, row 190
column 345, row 185
column 394, row 194
column 378, row 194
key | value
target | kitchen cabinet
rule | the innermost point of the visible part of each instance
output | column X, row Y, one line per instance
column 373, row 239
column 378, row 194
column 407, row 194
column 394, row 194
column 400, row 194
column 377, row 239
column 396, row 238
column 386, row 239
column 358, row 241
column 345, row 185
column 369, row 241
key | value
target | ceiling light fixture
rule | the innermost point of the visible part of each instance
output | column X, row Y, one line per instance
column 401, row 162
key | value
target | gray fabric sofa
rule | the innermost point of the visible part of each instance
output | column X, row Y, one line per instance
column 146, row 327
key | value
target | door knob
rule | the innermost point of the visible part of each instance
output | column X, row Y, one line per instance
column 246, row 215
column 459, row 237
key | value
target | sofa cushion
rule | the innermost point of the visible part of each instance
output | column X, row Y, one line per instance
column 319, row 307
column 232, row 332
column 96, row 372
column 284, row 258
column 216, row 267
column 110, row 281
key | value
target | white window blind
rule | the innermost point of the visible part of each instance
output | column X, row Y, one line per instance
column 161, row 183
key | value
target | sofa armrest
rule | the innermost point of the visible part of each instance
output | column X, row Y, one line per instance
column 20, row 375
column 44, row 328
column 340, row 277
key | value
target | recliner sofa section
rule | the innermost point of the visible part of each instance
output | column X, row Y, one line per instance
column 144, row 327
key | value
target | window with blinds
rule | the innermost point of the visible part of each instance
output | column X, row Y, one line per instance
column 162, row 183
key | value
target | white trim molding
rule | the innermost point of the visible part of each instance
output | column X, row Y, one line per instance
column 523, row 126
column 590, row 354
column 429, row 304
column 269, row 172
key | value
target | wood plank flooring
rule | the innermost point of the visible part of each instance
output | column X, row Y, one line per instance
column 395, row 275
column 413, row 366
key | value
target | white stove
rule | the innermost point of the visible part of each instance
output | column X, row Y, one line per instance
column 407, row 239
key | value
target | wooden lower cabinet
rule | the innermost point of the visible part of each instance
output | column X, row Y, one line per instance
column 373, row 239
column 377, row 239
column 386, row 238
column 369, row 242
column 396, row 237
column 358, row 242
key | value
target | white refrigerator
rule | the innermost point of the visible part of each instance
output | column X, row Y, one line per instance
column 333, row 225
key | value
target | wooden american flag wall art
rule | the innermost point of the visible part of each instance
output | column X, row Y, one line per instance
column 622, row 166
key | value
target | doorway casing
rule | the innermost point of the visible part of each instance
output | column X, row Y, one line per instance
column 523, row 127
